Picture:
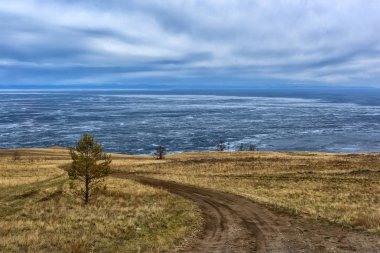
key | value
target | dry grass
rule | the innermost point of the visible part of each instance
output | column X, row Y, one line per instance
column 30, row 166
column 340, row 188
column 39, row 211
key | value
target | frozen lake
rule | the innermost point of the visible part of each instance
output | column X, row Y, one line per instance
column 134, row 122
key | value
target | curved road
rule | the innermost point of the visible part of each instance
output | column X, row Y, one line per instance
column 236, row 224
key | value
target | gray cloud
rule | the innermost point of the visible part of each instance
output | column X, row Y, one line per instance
column 75, row 42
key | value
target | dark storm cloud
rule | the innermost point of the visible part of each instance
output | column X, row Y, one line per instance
column 77, row 42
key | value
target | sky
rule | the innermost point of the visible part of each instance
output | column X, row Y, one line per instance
column 197, row 42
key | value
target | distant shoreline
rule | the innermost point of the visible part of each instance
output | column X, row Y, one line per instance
column 56, row 149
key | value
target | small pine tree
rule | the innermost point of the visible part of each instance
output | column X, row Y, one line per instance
column 160, row 153
column 241, row 147
column 221, row 146
column 89, row 164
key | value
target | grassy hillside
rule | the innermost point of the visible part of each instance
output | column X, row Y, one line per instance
column 39, row 211
column 340, row 188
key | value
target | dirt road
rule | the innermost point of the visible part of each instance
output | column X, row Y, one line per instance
column 236, row 224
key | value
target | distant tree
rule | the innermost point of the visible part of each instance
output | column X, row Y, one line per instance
column 89, row 164
column 241, row 147
column 251, row 147
column 221, row 146
column 160, row 153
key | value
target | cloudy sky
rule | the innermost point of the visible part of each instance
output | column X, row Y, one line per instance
column 67, row 42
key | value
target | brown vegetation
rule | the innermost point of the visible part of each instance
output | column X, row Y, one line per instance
column 340, row 188
column 39, row 213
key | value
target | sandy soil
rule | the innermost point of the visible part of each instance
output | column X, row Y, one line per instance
column 235, row 224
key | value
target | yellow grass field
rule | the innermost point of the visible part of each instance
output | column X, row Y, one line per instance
column 340, row 188
column 40, row 212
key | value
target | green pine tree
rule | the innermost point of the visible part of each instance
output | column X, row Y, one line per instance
column 89, row 164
